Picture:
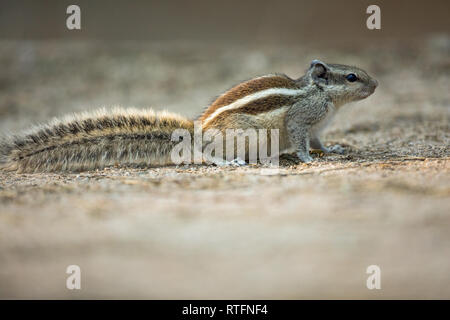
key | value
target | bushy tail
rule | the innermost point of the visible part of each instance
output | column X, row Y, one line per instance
column 93, row 141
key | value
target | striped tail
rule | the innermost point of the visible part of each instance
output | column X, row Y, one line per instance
column 93, row 141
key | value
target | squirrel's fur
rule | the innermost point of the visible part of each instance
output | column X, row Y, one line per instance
column 298, row 108
column 93, row 140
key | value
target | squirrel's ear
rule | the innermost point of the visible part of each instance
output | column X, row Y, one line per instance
column 318, row 72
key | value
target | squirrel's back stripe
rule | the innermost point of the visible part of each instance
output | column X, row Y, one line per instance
column 249, row 87
column 248, row 103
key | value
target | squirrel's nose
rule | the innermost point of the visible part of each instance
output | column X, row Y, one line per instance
column 375, row 83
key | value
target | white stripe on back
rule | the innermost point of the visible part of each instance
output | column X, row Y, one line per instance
column 253, row 97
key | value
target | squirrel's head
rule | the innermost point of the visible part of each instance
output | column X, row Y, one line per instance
column 342, row 83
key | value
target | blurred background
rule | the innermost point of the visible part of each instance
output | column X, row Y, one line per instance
column 244, row 22
column 179, row 55
column 192, row 232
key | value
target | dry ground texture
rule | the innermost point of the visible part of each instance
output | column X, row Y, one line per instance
column 207, row 232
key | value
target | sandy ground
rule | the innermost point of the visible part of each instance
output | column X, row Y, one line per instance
column 309, row 231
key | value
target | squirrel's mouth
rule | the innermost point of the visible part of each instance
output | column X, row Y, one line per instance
column 368, row 91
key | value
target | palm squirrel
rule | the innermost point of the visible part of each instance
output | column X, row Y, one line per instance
column 300, row 109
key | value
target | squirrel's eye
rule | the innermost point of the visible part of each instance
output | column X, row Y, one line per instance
column 351, row 77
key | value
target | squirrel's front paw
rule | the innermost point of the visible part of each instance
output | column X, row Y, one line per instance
column 238, row 162
column 336, row 149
